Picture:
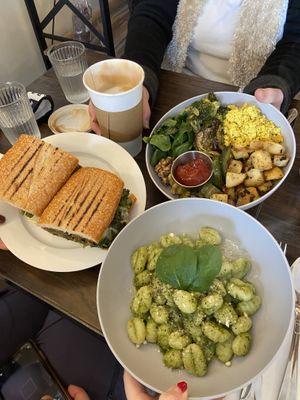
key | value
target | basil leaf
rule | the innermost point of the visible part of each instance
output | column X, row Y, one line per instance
column 186, row 268
column 177, row 266
column 209, row 261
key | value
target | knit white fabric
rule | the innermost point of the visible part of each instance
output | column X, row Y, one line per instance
column 259, row 27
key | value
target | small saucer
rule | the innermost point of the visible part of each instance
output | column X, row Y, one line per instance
column 70, row 118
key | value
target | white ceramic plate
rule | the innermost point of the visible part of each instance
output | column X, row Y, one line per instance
column 270, row 274
column 39, row 248
column 232, row 98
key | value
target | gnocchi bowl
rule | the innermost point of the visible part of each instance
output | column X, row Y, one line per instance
column 242, row 238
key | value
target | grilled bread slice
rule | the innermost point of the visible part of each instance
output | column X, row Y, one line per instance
column 32, row 171
column 85, row 206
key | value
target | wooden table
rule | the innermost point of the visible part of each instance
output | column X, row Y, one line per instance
column 74, row 293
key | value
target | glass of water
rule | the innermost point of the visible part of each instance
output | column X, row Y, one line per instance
column 69, row 63
column 16, row 115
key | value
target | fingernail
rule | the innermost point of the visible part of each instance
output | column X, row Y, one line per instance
column 182, row 386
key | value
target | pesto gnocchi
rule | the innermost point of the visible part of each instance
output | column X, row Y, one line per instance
column 193, row 327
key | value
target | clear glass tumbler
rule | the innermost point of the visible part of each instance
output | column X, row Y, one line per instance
column 69, row 63
column 16, row 114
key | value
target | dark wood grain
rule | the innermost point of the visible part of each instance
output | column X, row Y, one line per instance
column 75, row 293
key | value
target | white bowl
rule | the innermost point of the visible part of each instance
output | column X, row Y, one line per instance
column 226, row 98
column 270, row 274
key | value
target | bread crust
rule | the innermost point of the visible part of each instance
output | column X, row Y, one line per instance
column 32, row 171
column 86, row 204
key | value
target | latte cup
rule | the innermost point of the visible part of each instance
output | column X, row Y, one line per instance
column 115, row 88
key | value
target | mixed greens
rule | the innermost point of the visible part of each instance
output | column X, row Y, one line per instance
column 201, row 121
column 197, row 127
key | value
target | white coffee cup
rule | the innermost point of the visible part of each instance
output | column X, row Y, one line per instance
column 115, row 88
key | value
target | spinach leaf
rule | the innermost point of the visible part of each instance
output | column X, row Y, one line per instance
column 186, row 268
column 209, row 261
column 162, row 142
column 157, row 155
column 182, row 148
column 177, row 266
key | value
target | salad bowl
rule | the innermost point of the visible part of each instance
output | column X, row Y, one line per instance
column 177, row 113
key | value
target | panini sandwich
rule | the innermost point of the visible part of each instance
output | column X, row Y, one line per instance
column 91, row 208
column 31, row 173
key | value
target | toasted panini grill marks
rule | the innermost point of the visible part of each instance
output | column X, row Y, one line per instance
column 90, row 209
column 60, row 209
column 32, row 171
column 17, row 187
column 75, row 204
column 90, row 188
column 20, row 171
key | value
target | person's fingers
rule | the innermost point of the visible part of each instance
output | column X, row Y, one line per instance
column 77, row 393
column 176, row 392
column 146, row 108
column 2, row 245
column 270, row 95
column 133, row 389
column 93, row 119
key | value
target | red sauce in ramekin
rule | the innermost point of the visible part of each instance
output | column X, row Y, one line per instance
column 193, row 172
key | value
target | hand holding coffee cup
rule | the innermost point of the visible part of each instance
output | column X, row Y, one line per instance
column 115, row 87
column 95, row 127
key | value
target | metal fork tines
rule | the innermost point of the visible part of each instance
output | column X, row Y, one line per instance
column 283, row 247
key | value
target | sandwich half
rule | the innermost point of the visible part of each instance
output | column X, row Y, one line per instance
column 31, row 173
column 91, row 208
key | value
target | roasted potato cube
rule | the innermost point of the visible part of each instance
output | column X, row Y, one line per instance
column 220, row 197
column 273, row 174
column 253, row 192
column 274, row 148
column 280, row 160
column 239, row 152
column 243, row 198
column 256, row 145
column 234, row 179
column 235, row 166
column 265, row 187
column 230, row 192
column 261, row 159
column 247, row 165
column 246, row 196
column 255, row 177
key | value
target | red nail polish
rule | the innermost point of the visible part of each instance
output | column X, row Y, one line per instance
column 182, row 386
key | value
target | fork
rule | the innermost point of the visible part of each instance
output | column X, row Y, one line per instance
column 248, row 392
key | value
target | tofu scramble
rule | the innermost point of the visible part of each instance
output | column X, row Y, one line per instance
column 246, row 123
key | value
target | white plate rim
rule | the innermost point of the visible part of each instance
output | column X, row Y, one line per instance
column 174, row 110
column 66, row 256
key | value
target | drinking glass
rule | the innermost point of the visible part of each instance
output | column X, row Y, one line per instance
column 16, row 114
column 69, row 63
